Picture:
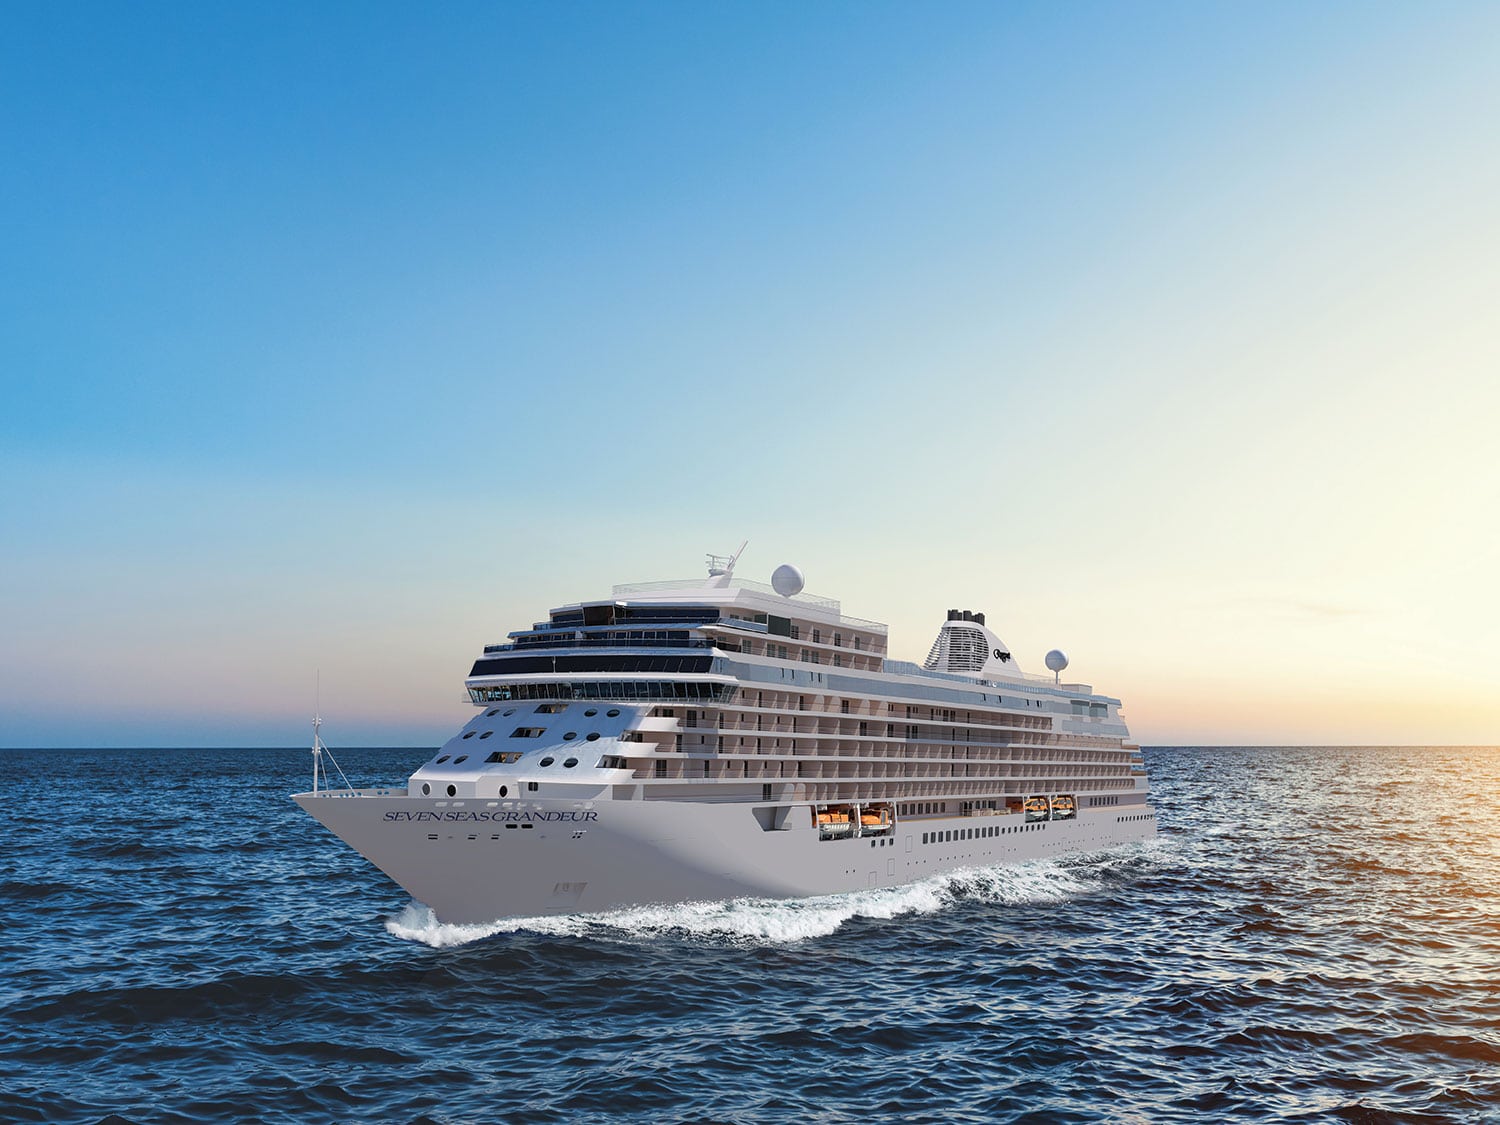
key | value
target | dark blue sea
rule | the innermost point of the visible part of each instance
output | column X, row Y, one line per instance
column 1315, row 937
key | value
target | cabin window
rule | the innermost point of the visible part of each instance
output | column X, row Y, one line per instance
column 546, row 761
column 485, row 735
column 469, row 734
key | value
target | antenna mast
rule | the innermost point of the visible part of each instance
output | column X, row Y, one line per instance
column 317, row 743
column 721, row 567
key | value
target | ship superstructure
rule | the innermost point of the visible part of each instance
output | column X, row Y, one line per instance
column 712, row 738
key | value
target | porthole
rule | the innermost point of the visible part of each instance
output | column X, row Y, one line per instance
column 452, row 791
column 570, row 736
column 441, row 760
column 591, row 712
column 570, row 763
column 612, row 712
column 485, row 735
column 510, row 711
column 460, row 759
column 426, row 789
column 593, row 736
column 546, row 761
column 490, row 714
column 469, row 734
column 504, row 789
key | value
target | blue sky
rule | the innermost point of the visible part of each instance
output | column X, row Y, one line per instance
column 347, row 338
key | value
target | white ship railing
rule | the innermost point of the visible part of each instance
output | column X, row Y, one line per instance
column 908, row 668
column 812, row 600
column 378, row 792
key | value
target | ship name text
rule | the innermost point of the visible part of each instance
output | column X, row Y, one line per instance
column 498, row 816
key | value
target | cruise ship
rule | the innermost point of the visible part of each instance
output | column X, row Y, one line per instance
column 717, row 737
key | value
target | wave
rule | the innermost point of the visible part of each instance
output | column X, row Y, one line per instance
column 765, row 921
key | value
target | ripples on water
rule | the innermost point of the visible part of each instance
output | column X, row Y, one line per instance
column 1316, row 937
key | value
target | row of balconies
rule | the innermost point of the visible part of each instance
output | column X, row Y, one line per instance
column 904, row 788
column 840, row 771
column 880, row 709
column 810, row 745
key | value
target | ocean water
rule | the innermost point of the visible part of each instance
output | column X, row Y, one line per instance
column 1314, row 937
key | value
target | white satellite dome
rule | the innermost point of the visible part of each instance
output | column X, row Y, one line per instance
column 1056, row 660
column 787, row 580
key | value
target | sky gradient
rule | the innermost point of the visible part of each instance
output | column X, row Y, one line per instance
column 337, row 341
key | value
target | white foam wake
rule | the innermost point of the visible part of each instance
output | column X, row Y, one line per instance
column 760, row 921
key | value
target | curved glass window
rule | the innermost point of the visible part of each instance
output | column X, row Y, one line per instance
column 504, row 790
column 546, row 762
column 468, row 734
column 570, row 763
column 441, row 760
column 612, row 712
column 593, row 736
column 452, row 791
column 485, row 735
column 490, row 714
column 426, row 789
column 591, row 712
column 570, row 736
column 510, row 711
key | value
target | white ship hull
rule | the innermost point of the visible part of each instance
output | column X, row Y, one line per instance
column 476, row 861
column 697, row 741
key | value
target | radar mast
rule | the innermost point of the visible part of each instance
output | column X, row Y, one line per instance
column 721, row 567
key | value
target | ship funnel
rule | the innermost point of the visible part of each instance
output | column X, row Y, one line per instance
column 965, row 645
